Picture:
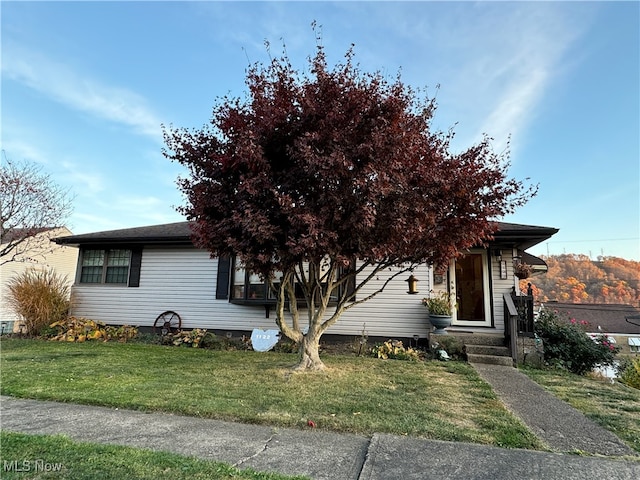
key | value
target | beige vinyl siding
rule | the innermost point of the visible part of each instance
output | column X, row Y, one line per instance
column 500, row 286
column 181, row 279
column 61, row 259
column 184, row 280
column 393, row 313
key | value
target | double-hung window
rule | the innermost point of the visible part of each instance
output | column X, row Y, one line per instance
column 105, row 266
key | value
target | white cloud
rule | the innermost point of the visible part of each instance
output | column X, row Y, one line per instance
column 494, row 61
column 123, row 211
column 61, row 83
column 516, row 55
column 141, row 209
column 89, row 183
column 88, row 223
column 18, row 150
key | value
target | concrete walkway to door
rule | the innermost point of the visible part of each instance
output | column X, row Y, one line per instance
column 560, row 426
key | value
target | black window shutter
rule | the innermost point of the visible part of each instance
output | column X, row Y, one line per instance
column 222, row 282
column 351, row 283
column 134, row 267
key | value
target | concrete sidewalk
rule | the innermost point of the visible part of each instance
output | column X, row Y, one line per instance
column 315, row 453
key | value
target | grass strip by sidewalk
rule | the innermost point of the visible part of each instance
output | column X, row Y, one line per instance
column 55, row 456
column 436, row 400
column 613, row 406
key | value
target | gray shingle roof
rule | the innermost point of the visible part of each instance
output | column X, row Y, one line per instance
column 154, row 234
column 610, row 317
column 522, row 236
column 20, row 233
column 509, row 234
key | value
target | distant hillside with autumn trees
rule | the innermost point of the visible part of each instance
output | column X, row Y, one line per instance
column 578, row 279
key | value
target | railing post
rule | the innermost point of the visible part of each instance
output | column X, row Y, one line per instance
column 511, row 325
column 524, row 309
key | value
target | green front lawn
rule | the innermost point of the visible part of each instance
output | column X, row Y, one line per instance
column 445, row 401
column 54, row 456
column 614, row 406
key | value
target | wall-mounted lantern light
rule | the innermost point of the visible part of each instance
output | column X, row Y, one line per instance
column 413, row 284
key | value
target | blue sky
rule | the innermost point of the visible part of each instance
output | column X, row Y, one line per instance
column 87, row 85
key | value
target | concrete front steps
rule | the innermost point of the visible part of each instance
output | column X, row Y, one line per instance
column 482, row 347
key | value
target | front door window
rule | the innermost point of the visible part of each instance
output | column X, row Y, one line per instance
column 469, row 283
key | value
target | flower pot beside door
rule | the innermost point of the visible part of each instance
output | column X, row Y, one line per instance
column 440, row 322
column 440, row 311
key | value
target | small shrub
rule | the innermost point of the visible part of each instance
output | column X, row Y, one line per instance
column 148, row 338
column 40, row 297
column 218, row 342
column 286, row 346
column 453, row 346
column 394, row 349
column 201, row 338
column 122, row 333
column 629, row 372
column 567, row 346
column 78, row 329
column 188, row 338
column 362, row 340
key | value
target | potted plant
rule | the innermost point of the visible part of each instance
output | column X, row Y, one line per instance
column 522, row 270
column 440, row 311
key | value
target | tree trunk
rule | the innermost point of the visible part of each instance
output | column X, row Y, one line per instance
column 309, row 355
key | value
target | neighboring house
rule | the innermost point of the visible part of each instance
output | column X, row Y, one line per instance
column 36, row 252
column 131, row 276
column 608, row 319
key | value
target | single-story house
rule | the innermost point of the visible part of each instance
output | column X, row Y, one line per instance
column 620, row 323
column 132, row 276
column 36, row 252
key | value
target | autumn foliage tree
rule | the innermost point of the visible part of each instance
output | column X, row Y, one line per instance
column 578, row 279
column 311, row 172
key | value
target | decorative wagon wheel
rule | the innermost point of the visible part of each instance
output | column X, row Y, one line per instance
column 167, row 322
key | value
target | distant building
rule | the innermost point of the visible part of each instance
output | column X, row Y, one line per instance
column 620, row 322
column 40, row 253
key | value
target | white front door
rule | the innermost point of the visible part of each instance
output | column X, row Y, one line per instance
column 469, row 285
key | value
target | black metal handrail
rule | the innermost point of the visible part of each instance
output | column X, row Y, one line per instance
column 524, row 306
column 518, row 318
